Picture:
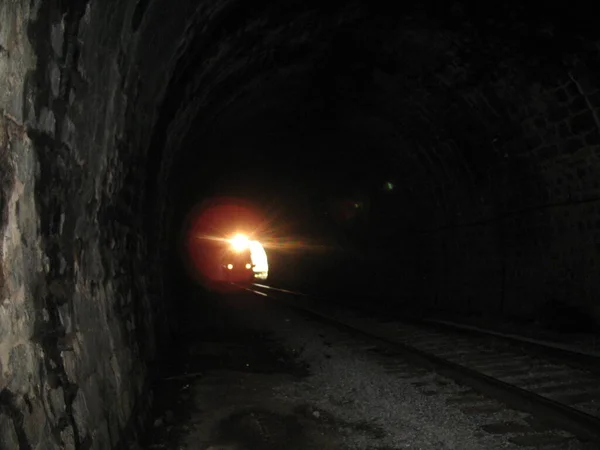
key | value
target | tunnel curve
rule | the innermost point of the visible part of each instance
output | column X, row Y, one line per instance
column 488, row 123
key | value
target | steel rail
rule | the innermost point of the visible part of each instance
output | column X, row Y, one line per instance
column 580, row 360
column 582, row 425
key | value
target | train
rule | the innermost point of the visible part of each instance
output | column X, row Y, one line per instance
column 237, row 266
column 243, row 261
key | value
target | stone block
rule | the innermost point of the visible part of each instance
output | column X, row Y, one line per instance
column 594, row 100
column 56, row 399
column 70, row 363
column 54, row 76
column 47, row 122
column 572, row 90
column 564, row 130
column 540, row 122
column 68, row 133
column 36, row 427
column 57, row 37
column 68, row 438
column 103, row 438
column 585, row 81
column 8, row 435
column 81, row 412
column 583, row 122
column 534, row 142
column 557, row 114
column 562, row 96
column 578, row 105
column 549, row 151
column 570, row 146
column 22, row 362
column 592, row 138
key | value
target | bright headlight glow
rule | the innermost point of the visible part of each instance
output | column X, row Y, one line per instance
column 259, row 262
column 259, row 259
column 240, row 242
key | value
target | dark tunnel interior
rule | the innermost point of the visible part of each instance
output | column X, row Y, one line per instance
column 424, row 156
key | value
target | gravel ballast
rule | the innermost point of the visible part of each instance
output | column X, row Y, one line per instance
column 351, row 385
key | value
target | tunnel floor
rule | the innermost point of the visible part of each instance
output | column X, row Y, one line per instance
column 219, row 393
column 248, row 373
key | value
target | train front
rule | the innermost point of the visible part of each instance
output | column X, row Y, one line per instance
column 243, row 260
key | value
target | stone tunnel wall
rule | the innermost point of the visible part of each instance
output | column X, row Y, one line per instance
column 77, row 300
column 68, row 357
column 518, row 226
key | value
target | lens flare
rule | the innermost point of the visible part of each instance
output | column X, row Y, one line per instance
column 240, row 242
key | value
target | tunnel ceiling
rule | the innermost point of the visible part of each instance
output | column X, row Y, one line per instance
column 354, row 94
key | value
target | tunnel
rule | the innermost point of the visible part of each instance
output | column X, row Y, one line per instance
column 444, row 154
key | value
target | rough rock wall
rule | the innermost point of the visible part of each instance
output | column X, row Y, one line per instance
column 515, row 189
column 76, row 317
column 25, row 399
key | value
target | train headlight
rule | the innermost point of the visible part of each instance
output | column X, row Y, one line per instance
column 230, row 266
column 248, row 266
column 240, row 242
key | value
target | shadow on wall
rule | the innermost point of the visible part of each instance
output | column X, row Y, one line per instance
column 6, row 181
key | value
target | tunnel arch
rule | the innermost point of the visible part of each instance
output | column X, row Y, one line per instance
column 498, row 120
column 486, row 117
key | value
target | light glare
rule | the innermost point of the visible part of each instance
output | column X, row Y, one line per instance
column 259, row 260
column 240, row 242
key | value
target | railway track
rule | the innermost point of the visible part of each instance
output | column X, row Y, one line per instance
column 561, row 388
